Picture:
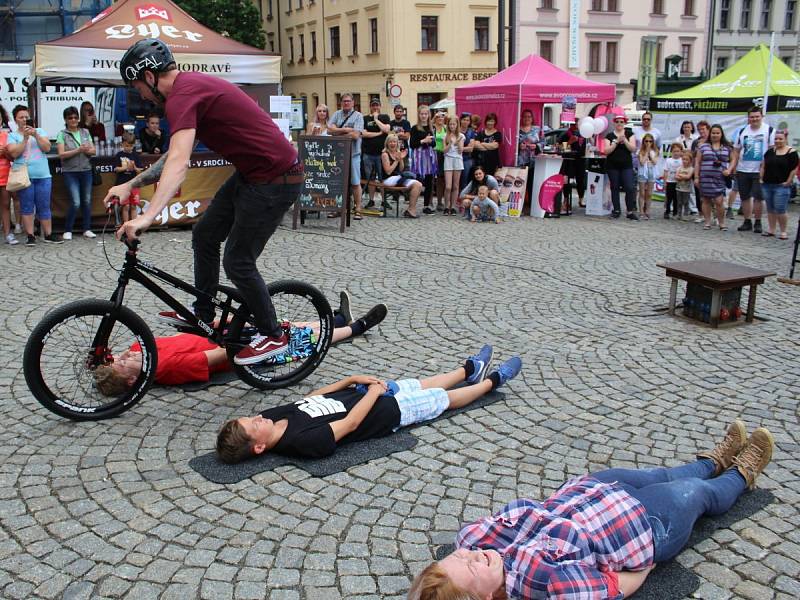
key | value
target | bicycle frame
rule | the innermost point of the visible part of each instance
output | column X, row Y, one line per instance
column 134, row 269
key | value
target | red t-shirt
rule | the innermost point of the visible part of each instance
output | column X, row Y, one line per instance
column 231, row 124
column 182, row 359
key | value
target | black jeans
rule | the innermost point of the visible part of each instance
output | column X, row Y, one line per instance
column 247, row 214
column 624, row 178
column 671, row 201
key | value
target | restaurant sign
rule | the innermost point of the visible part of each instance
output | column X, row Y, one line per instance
column 460, row 76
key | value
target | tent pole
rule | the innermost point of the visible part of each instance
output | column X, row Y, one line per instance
column 768, row 81
column 501, row 35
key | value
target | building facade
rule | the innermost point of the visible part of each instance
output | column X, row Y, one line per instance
column 400, row 51
column 601, row 39
column 739, row 25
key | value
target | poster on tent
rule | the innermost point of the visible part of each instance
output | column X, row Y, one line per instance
column 547, row 183
column 512, row 181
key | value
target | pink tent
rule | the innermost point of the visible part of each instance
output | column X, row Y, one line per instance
column 530, row 83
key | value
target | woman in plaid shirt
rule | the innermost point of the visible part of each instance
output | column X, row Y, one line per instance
column 599, row 535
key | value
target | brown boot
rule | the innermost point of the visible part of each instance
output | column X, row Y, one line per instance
column 755, row 456
column 724, row 452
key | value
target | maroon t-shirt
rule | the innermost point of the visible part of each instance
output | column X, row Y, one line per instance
column 231, row 124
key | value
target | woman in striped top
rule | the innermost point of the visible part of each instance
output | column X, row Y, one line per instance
column 711, row 170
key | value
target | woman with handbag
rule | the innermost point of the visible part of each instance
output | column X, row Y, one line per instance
column 425, row 163
column 393, row 164
column 75, row 147
column 30, row 175
column 711, row 169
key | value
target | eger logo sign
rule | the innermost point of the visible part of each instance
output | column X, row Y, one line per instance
column 152, row 11
column 153, row 28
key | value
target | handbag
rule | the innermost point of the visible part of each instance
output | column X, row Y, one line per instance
column 408, row 175
column 18, row 178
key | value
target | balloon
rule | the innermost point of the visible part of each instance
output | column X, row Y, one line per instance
column 585, row 120
column 598, row 125
column 586, row 128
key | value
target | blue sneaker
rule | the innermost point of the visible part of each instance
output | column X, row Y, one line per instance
column 480, row 364
column 509, row 369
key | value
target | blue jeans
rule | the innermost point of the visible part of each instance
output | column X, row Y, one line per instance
column 244, row 216
column 624, row 178
column 675, row 498
column 79, row 186
column 777, row 197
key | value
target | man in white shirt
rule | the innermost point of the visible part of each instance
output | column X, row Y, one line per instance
column 750, row 146
column 647, row 127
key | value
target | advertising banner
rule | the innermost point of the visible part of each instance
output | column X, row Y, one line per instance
column 512, row 182
column 545, row 184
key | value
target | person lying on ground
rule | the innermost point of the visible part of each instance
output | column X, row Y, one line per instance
column 599, row 535
column 357, row 408
column 187, row 358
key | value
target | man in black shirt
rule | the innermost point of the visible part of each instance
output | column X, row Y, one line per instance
column 376, row 128
column 357, row 408
column 401, row 127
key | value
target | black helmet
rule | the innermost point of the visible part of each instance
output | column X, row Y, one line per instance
column 145, row 55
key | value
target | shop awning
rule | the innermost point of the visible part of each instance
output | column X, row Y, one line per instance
column 91, row 55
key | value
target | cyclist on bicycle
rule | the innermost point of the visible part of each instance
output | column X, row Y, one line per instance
column 249, row 206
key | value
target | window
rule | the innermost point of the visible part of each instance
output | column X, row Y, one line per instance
column 271, row 39
column 686, row 57
column 722, row 64
column 291, row 50
column 688, row 8
column 660, row 57
column 301, row 40
column 594, row 57
column 597, row 5
column 314, row 46
column 611, row 57
column 354, row 38
column 373, row 35
column 548, row 4
column 766, row 5
column 724, row 13
column 745, row 22
column 430, row 27
column 788, row 22
column 787, row 60
column 299, row 3
column 658, row 7
column 546, row 49
column 269, row 9
column 334, row 31
column 611, row 6
column 482, row 33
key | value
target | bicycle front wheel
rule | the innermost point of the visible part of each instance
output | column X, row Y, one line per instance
column 68, row 358
column 306, row 317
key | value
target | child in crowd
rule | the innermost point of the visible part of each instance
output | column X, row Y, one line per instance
column 671, row 166
column 453, row 164
column 683, row 184
column 483, row 207
column 647, row 159
column 127, row 164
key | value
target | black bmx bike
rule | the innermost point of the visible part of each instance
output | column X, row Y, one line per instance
column 72, row 341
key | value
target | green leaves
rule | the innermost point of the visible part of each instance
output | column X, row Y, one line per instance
column 237, row 19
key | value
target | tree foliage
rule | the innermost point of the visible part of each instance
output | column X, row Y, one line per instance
column 236, row 19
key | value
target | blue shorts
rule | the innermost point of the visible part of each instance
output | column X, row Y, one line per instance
column 418, row 405
column 777, row 196
column 35, row 199
column 355, row 169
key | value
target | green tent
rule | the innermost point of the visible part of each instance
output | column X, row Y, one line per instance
column 738, row 88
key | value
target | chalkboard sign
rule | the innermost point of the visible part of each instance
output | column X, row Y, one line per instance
column 326, row 161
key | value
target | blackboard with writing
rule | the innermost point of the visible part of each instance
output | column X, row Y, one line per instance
column 326, row 161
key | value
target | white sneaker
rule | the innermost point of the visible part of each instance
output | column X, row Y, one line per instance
column 89, row 234
column 11, row 240
column 17, row 228
column 67, row 236
column 700, row 220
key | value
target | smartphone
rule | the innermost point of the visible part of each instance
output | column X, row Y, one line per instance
column 29, row 122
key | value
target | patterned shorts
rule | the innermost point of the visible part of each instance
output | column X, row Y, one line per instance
column 418, row 405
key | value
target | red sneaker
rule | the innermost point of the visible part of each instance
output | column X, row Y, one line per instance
column 262, row 348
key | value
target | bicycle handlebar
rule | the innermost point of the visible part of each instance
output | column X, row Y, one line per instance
column 131, row 244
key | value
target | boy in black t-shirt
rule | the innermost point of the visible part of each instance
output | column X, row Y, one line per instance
column 376, row 128
column 357, row 408
column 128, row 164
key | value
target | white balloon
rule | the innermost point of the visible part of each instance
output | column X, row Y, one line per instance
column 599, row 125
column 585, row 120
column 605, row 124
column 586, row 128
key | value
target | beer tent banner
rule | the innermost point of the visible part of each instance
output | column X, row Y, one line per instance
column 530, row 83
column 726, row 98
column 91, row 55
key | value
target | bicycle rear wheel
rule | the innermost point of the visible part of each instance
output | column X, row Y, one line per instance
column 299, row 306
column 66, row 348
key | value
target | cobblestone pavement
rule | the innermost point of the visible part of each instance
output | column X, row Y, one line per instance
column 111, row 509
